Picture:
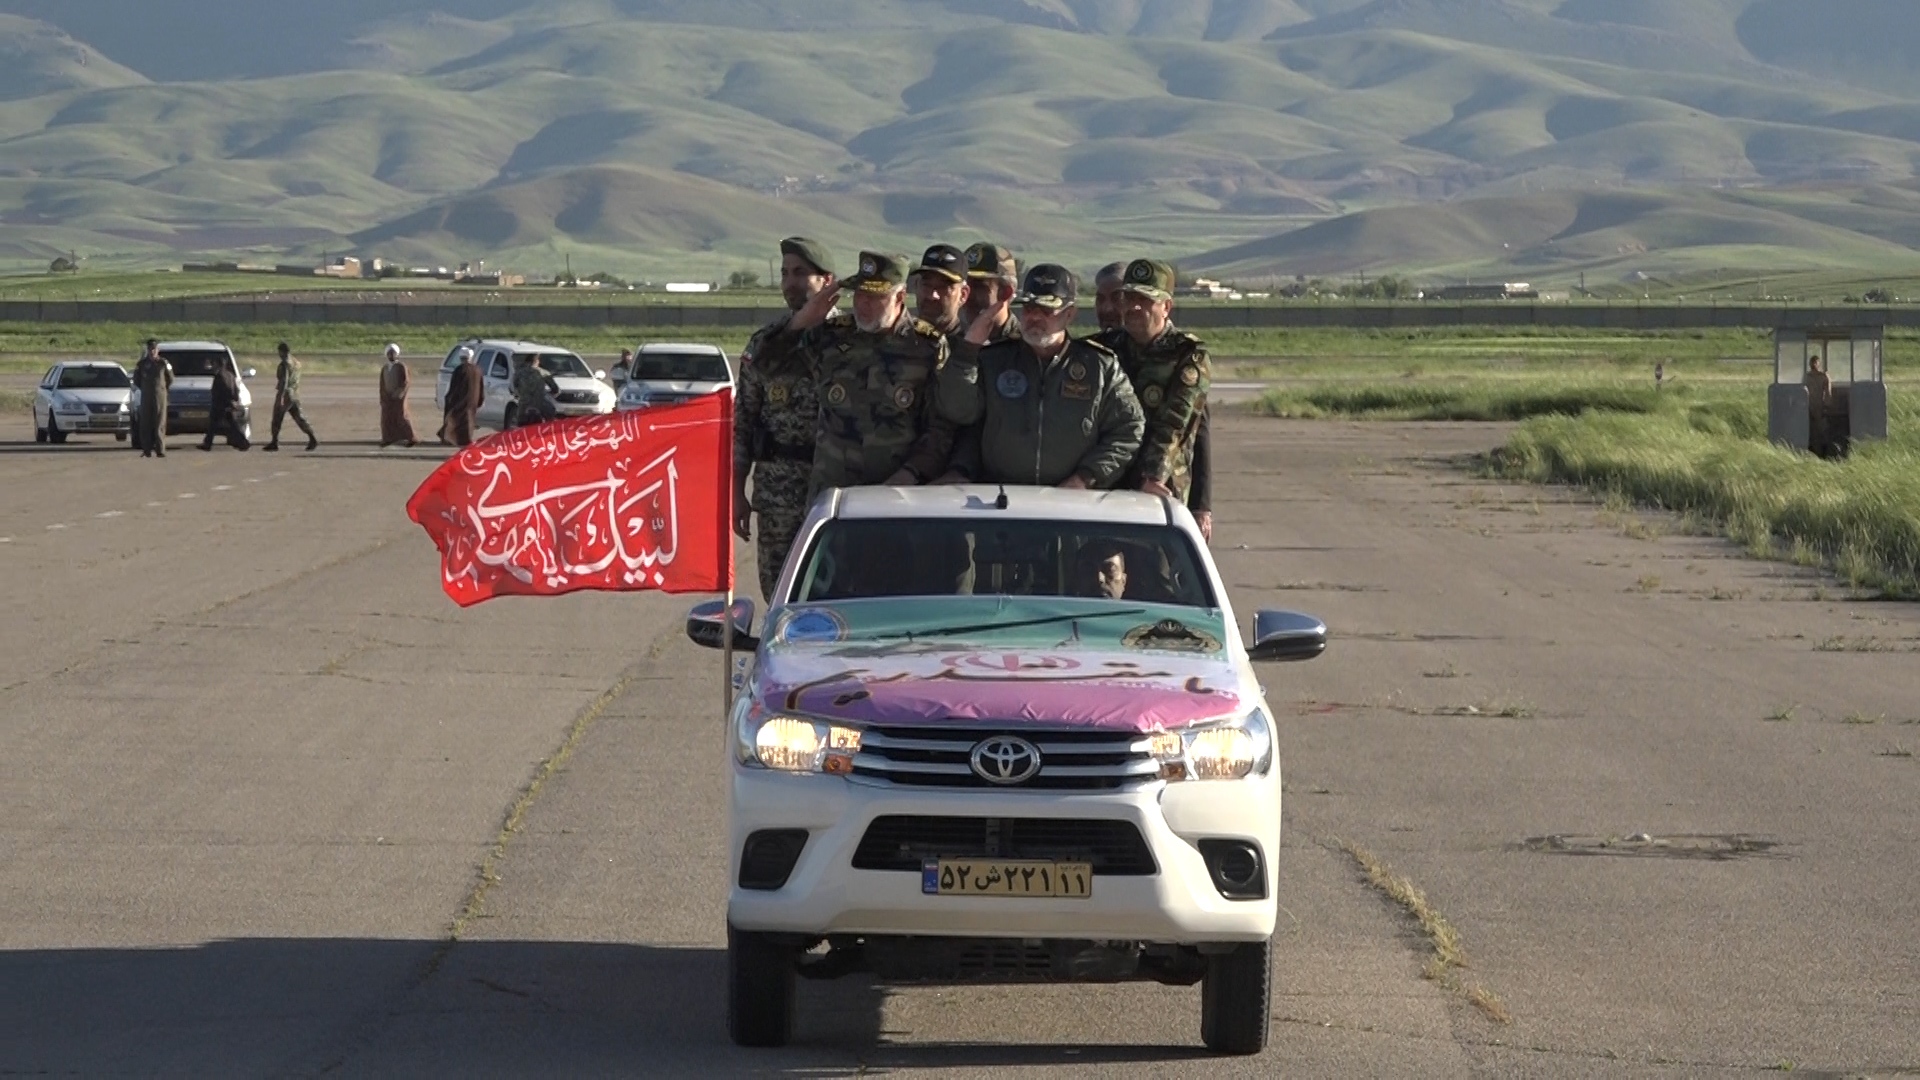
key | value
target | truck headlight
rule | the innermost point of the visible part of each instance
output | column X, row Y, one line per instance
column 794, row 744
column 1231, row 750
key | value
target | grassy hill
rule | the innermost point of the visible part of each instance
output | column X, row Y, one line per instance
column 1258, row 138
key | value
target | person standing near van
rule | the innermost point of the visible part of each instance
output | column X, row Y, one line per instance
column 396, row 421
column 223, row 411
column 154, row 377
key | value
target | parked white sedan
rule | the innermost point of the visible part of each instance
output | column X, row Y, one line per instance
column 82, row 397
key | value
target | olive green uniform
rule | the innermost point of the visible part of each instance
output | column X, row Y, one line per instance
column 154, row 376
column 774, row 422
column 1076, row 416
column 530, row 387
column 1171, row 376
column 286, row 401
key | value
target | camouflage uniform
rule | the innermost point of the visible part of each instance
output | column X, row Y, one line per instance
column 286, row 402
column 530, row 387
column 774, row 422
column 1170, row 376
column 879, row 402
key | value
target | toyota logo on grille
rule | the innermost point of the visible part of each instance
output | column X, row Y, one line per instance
column 1004, row 759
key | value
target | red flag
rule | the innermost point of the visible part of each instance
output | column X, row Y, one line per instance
column 624, row 502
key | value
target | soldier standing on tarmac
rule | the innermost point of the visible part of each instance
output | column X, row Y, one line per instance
column 1171, row 374
column 775, row 417
column 532, row 392
column 286, row 400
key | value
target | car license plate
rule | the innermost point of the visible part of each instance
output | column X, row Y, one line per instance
column 1003, row 877
column 191, row 414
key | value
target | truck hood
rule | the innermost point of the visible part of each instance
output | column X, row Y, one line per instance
column 1065, row 662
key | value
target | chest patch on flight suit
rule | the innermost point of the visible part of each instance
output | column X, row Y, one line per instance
column 1151, row 397
column 1078, row 391
column 836, row 394
column 1077, row 371
column 1011, row 384
column 903, row 397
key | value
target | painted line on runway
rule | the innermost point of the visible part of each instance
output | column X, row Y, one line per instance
column 111, row 514
column 223, row 487
column 55, row 528
column 187, row 495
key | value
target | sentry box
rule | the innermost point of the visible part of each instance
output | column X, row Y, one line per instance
column 1825, row 416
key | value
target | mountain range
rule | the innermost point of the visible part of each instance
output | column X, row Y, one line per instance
column 1253, row 139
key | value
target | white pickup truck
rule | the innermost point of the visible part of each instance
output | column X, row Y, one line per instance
column 1010, row 736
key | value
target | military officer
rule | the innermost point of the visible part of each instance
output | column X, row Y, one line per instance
column 992, row 278
column 532, row 392
column 1055, row 410
column 286, row 398
column 877, row 373
column 940, row 291
column 774, row 419
column 1171, row 374
column 1107, row 307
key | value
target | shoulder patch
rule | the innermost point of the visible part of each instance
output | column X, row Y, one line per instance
column 926, row 329
column 1190, row 375
column 839, row 320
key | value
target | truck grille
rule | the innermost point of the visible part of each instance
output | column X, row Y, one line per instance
column 577, row 397
column 96, row 408
column 941, row 757
column 190, row 398
column 901, row 842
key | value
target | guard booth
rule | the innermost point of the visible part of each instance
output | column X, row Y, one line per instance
column 1856, row 407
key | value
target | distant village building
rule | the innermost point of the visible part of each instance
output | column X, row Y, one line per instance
column 1512, row 290
column 1208, row 289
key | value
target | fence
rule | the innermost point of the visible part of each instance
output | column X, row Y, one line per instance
column 1198, row 316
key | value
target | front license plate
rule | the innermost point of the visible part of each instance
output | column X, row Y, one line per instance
column 1001, row 877
column 191, row 414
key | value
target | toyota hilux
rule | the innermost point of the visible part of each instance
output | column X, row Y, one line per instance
column 1002, row 735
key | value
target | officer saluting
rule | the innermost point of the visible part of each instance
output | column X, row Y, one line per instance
column 877, row 373
column 1054, row 410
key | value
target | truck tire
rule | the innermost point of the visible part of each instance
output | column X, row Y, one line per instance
column 760, row 989
column 1235, row 1000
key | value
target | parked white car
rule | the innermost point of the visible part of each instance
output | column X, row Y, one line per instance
column 582, row 390
column 82, row 397
column 194, row 363
column 668, row 374
column 1003, row 735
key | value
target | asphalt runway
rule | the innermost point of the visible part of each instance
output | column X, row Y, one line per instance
column 271, row 804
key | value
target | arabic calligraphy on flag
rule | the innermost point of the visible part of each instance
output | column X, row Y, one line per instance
column 625, row 502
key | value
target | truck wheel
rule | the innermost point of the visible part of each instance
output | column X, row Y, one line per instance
column 760, row 978
column 1234, row 1000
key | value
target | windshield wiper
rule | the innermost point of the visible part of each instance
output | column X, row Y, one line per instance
column 976, row 628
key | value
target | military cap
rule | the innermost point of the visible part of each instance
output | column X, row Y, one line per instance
column 152, row 342
column 1111, row 274
column 812, row 252
column 879, row 273
column 1149, row 278
column 946, row 260
column 1049, row 286
column 991, row 261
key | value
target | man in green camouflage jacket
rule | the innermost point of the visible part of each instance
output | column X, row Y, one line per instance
column 533, row 392
column 992, row 278
column 774, row 419
column 1171, row 375
column 877, row 373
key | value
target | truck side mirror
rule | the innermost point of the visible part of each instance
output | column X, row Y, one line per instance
column 705, row 629
column 1287, row 635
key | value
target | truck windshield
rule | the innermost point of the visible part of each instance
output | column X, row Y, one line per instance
column 856, row 559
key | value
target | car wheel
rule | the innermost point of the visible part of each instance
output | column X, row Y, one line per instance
column 54, row 434
column 760, row 989
column 509, row 418
column 1235, row 1000
column 39, row 433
